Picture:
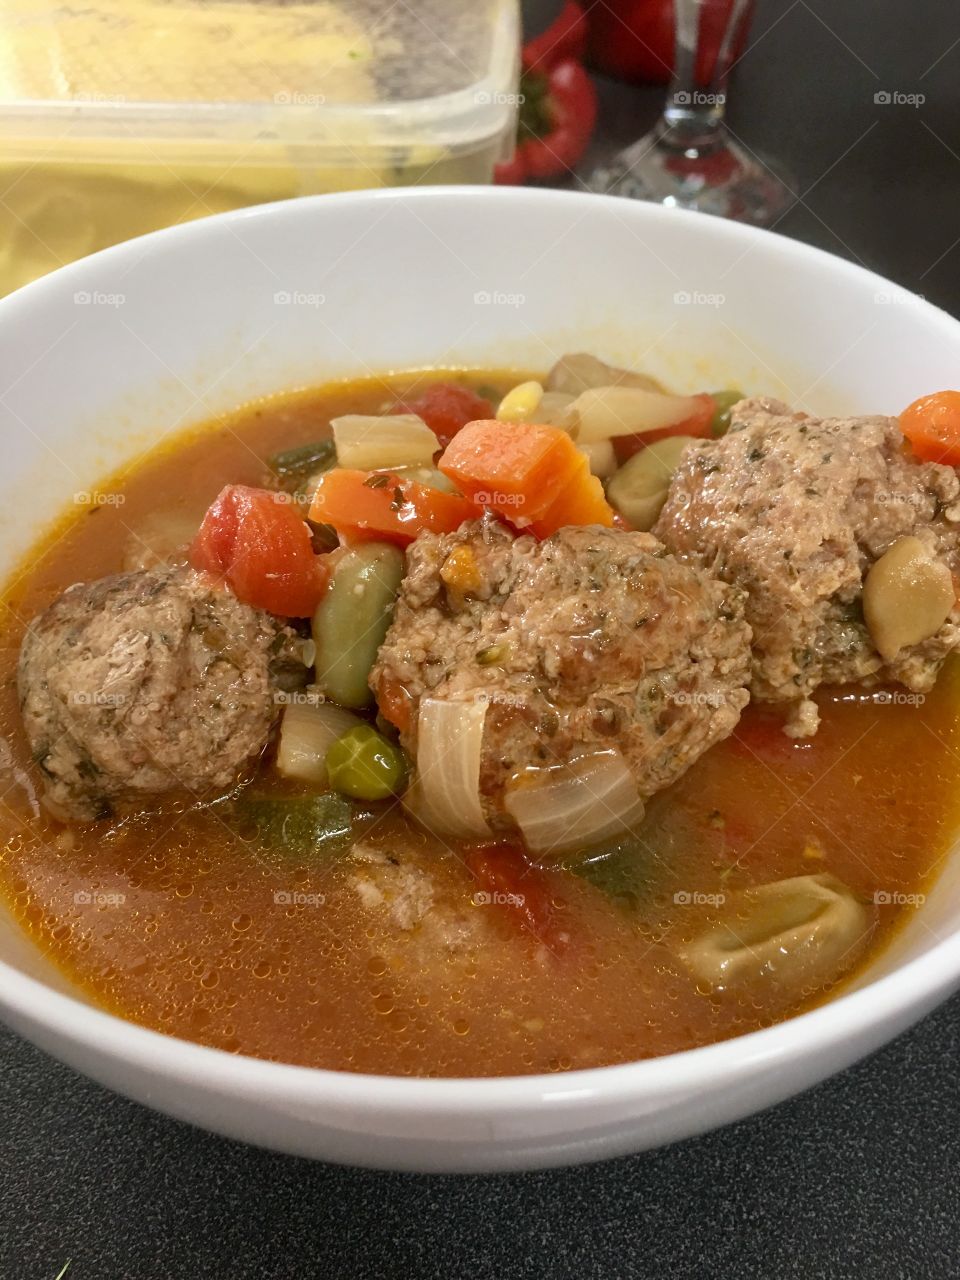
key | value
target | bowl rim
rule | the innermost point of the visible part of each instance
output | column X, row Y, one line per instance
column 889, row 999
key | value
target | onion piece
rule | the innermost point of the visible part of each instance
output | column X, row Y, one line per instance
column 602, row 458
column 368, row 443
column 446, row 796
column 307, row 731
column 576, row 372
column 578, row 805
column 602, row 413
column 798, row 934
column 554, row 409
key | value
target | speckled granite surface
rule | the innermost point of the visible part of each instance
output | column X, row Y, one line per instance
column 860, row 1177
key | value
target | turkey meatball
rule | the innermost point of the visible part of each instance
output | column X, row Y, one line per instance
column 796, row 511
column 591, row 641
column 142, row 683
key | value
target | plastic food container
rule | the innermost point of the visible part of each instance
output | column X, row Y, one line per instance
column 121, row 116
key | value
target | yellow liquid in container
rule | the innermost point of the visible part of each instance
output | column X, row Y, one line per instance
column 117, row 118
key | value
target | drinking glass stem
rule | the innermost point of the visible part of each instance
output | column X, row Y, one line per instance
column 692, row 119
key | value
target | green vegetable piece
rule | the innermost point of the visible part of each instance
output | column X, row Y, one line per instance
column 351, row 620
column 292, row 466
column 621, row 870
column 363, row 764
column 297, row 824
column 724, row 400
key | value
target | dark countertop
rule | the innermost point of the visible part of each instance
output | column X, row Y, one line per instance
column 859, row 1176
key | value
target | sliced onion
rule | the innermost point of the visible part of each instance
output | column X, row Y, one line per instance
column 554, row 409
column 307, row 731
column 602, row 458
column 369, row 443
column 577, row 805
column 578, row 371
column 449, row 743
column 602, row 413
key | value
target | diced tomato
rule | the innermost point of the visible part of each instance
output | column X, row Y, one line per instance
column 377, row 504
column 529, row 474
column 395, row 704
column 932, row 425
column 698, row 424
column 446, row 407
column 256, row 540
column 511, row 882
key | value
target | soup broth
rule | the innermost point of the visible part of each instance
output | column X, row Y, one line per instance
column 179, row 920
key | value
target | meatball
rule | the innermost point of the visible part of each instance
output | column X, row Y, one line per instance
column 795, row 510
column 146, row 682
column 591, row 640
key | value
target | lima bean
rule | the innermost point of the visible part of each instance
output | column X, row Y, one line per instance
column 351, row 620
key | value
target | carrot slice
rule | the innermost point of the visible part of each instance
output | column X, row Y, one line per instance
column 533, row 476
column 580, row 502
column 932, row 425
column 377, row 504
column 517, row 469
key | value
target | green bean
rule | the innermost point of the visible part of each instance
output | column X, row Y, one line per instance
column 292, row 466
column 364, row 765
column 724, row 400
column 351, row 620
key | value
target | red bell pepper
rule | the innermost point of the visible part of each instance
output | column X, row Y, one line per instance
column 558, row 108
column 634, row 39
column 564, row 38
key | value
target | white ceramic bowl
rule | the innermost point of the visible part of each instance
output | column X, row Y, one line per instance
column 103, row 357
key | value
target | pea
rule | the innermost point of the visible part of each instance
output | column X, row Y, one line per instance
column 724, row 401
column 363, row 764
